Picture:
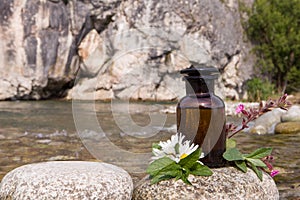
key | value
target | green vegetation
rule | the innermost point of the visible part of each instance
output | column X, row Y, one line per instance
column 252, row 160
column 259, row 89
column 294, row 80
column 273, row 26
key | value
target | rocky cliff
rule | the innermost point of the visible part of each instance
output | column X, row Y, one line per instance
column 118, row 49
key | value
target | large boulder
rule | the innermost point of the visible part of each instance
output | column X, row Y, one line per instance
column 67, row 180
column 129, row 49
column 36, row 46
column 225, row 183
column 146, row 43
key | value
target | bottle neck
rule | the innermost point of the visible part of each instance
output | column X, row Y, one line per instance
column 199, row 86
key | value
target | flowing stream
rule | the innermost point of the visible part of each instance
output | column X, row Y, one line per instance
column 36, row 131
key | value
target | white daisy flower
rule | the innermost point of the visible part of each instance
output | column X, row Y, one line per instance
column 174, row 148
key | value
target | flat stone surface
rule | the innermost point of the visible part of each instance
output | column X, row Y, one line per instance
column 66, row 180
column 287, row 128
column 225, row 183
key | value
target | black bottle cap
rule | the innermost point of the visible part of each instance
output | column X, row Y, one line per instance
column 201, row 72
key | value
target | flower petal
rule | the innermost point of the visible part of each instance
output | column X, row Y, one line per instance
column 274, row 173
column 174, row 148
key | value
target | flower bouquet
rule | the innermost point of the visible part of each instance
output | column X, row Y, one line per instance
column 178, row 159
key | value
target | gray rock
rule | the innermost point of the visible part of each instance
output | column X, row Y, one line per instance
column 91, row 51
column 36, row 49
column 139, row 45
column 143, row 49
column 267, row 122
column 225, row 183
column 67, row 180
column 292, row 115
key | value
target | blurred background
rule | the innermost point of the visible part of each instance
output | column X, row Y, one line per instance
column 58, row 51
column 132, row 49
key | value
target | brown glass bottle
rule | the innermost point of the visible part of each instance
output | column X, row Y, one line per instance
column 201, row 114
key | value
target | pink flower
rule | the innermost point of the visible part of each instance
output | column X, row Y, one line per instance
column 274, row 173
column 240, row 108
column 267, row 160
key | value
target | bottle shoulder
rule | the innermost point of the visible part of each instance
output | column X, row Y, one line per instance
column 208, row 101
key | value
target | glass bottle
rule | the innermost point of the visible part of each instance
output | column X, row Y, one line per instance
column 201, row 114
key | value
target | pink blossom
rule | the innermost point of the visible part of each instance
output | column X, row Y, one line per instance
column 267, row 160
column 274, row 173
column 240, row 108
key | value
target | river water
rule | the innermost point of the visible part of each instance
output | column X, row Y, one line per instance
column 119, row 133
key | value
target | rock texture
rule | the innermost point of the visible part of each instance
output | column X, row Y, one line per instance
column 225, row 183
column 267, row 122
column 292, row 115
column 67, row 180
column 35, row 49
column 290, row 122
column 287, row 128
column 120, row 49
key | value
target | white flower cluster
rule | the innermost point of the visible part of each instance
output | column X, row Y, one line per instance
column 174, row 148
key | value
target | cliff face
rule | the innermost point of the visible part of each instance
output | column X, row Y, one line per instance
column 117, row 49
column 36, row 49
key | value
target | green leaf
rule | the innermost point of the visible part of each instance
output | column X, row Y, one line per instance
column 159, row 178
column 165, row 168
column 165, row 175
column 156, row 146
column 190, row 160
column 256, row 162
column 158, row 165
column 156, row 179
column 200, row 170
column 233, row 154
column 241, row 164
column 230, row 143
column 179, row 175
column 257, row 171
column 260, row 153
column 184, row 178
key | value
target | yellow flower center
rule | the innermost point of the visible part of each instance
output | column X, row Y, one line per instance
column 183, row 156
